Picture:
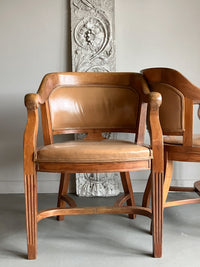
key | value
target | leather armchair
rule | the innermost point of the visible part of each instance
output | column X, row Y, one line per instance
column 92, row 103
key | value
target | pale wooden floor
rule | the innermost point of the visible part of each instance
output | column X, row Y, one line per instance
column 98, row 240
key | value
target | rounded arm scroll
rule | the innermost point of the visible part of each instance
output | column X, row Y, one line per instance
column 32, row 101
column 155, row 100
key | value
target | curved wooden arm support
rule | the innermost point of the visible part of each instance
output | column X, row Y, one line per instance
column 155, row 101
column 149, row 98
column 30, row 140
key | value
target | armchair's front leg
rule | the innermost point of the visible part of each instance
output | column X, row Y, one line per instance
column 157, row 175
column 30, row 184
column 157, row 212
column 30, row 175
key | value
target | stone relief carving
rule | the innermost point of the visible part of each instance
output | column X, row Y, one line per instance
column 97, row 184
column 93, row 50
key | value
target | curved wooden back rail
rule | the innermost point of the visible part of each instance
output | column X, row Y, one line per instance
column 92, row 103
column 180, row 144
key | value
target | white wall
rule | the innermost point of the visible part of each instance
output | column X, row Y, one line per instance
column 35, row 41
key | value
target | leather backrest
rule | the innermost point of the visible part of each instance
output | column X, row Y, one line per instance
column 93, row 107
column 93, row 101
column 174, row 88
column 172, row 109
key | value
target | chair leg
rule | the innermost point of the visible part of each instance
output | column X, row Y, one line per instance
column 63, row 189
column 168, row 177
column 30, row 182
column 126, row 183
column 157, row 213
column 147, row 194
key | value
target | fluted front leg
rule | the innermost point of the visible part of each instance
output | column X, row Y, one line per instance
column 30, row 181
column 157, row 213
column 30, row 176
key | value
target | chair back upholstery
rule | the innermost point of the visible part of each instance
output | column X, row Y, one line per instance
column 85, row 102
column 172, row 108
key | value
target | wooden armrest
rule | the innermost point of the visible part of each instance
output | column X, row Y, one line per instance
column 154, row 100
column 32, row 101
column 156, row 134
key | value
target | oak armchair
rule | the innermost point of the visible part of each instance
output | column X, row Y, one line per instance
column 92, row 103
column 176, row 116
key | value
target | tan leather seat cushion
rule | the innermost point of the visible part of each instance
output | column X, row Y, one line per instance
column 93, row 151
column 178, row 140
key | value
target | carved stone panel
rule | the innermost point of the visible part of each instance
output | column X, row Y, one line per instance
column 92, row 32
column 93, row 50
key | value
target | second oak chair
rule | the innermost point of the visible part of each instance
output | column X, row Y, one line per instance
column 179, row 96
